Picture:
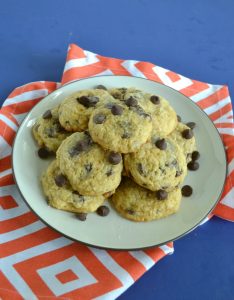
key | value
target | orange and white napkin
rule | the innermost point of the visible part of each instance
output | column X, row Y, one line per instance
column 36, row 262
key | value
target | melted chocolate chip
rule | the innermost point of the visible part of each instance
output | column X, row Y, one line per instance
column 81, row 216
column 140, row 168
column 178, row 118
column 47, row 115
column 161, row 195
column 81, row 198
column 155, row 99
column 187, row 134
column 130, row 211
column 195, row 155
column 99, row 119
column 51, row 132
column 193, row 165
column 101, row 87
column 88, row 167
column 88, row 101
column 191, row 125
column 109, row 172
column 109, row 105
column 186, row 190
column 82, row 145
column 114, row 158
column 140, row 111
column 103, row 211
column 178, row 173
column 60, row 180
column 161, row 144
column 131, row 101
column 44, row 153
column 126, row 135
column 116, row 110
column 73, row 152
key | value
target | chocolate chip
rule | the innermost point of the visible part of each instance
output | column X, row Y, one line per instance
column 109, row 172
column 117, row 110
column 47, row 114
column 161, row 195
column 60, row 180
column 140, row 168
column 88, row 101
column 140, row 111
column 50, row 132
column 100, row 87
column 99, row 119
column 73, row 152
column 88, row 167
column 193, row 165
column 178, row 118
column 130, row 211
column 187, row 134
column 109, row 105
column 103, row 210
column 155, row 99
column 114, row 158
column 131, row 101
column 59, row 128
column 44, row 153
column 191, row 125
column 126, row 135
column 81, row 145
column 81, row 198
column 81, row 216
column 178, row 173
column 161, row 144
column 195, row 155
column 186, row 190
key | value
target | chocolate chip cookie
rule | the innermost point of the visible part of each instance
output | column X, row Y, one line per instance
column 75, row 110
column 90, row 169
column 164, row 117
column 139, row 204
column 158, row 165
column 60, row 194
column 120, row 128
column 184, row 137
column 47, row 130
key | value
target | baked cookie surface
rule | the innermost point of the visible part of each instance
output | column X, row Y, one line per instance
column 90, row 169
column 138, row 204
column 75, row 110
column 48, row 132
column 119, row 127
column 159, row 164
column 60, row 194
column 185, row 141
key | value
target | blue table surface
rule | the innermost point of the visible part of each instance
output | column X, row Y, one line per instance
column 193, row 38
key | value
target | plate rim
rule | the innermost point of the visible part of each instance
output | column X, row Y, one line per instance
column 105, row 247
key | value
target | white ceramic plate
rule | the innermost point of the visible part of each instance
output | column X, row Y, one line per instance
column 113, row 231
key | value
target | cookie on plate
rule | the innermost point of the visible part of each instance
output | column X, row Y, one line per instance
column 184, row 137
column 48, row 132
column 90, row 169
column 75, row 110
column 159, row 164
column 164, row 117
column 120, row 128
column 139, row 204
column 60, row 194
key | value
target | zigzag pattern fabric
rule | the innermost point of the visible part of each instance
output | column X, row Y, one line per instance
column 36, row 262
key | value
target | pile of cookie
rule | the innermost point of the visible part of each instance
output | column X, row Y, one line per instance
column 121, row 144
